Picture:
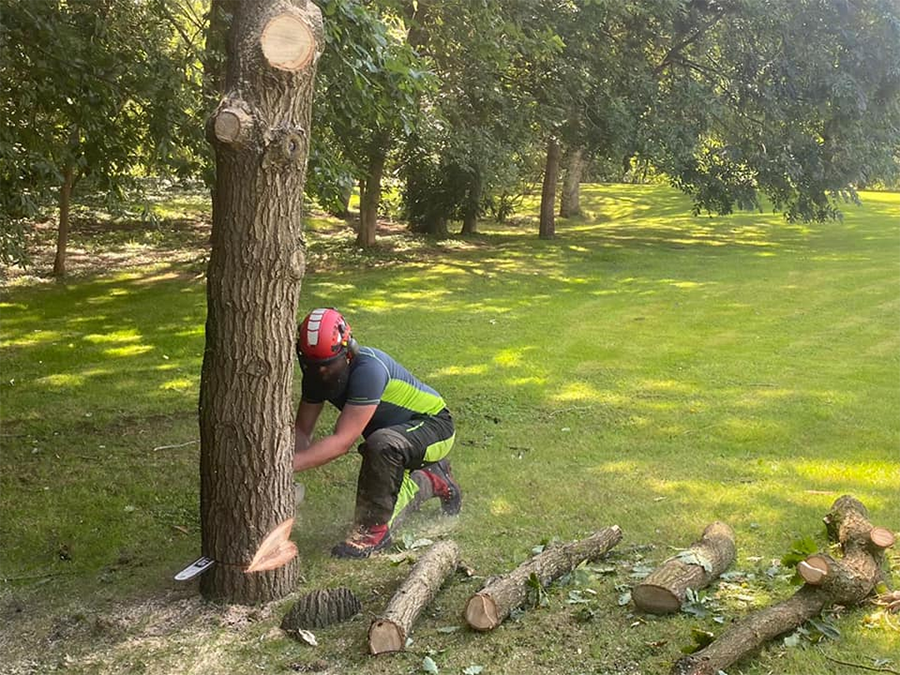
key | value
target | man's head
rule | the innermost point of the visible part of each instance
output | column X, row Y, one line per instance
column 325, row 347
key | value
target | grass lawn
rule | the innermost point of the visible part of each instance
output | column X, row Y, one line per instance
column 646, row 368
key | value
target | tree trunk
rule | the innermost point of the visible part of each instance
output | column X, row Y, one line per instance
column 846, row 582
column 473, row 206
column 260, row 133
column 62, row 235
column 664, row 590
column 570, row 204
column 492, row 604
column 547, row 228
column 388, row 632
column 370, row 197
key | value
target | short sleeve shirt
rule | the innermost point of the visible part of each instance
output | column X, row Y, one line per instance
column 377, row 379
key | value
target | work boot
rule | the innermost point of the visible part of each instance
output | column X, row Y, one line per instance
column 444, row 486
column 364, row 541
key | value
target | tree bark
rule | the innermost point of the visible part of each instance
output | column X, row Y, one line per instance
column 570, row 203
column 664, row 590
column 547, row 228
column 846, row 582
column 321, row 608
column 492, row 604
column 473, row 206
column 255, row 268
column 370, row 197
column 389, row 631
column 62, row 234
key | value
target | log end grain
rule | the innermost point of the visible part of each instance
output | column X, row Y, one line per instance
column 481, row 612
column 881, row 537
column 814, row 569
column 385, row 636
column 655, row 599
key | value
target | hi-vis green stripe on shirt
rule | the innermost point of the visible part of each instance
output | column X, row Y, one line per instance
column 377, row 379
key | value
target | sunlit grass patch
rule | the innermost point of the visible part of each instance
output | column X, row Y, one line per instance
column 645, row 368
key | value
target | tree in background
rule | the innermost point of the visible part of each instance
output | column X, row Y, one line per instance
column 84, row 100
column 369, row 85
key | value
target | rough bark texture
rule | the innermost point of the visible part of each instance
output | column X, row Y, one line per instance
column 389, row 631
column 62, row 234
column 473, row 206
column 253, row 283
column 847, row 582
column 547, row 229
column 369, row 199
column 492, row 604
column 569, row 202
column 664, row 590
column 321, row 608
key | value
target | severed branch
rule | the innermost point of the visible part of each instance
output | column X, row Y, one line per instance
column 388, row 632
column 492, row 604
column 847, row 581
column 665, row 589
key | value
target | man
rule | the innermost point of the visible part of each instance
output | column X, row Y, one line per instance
column 406, row 427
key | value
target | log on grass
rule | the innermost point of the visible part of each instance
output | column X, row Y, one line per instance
column 845, row 581
column 492, row 604
column 665, row 589
column 321, row 608
column 388, row 632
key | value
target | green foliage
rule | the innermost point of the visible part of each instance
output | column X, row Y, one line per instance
column 368, row 86
column 79, row 90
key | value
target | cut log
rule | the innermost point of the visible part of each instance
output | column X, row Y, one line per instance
column 321, row 608
column 847, row 581
column 287, row 42
column 388, row 632
column 665, row 589
column 492, row 604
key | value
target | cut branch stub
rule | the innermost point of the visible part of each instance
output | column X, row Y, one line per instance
column 287, row 43
column 881, row 537
column 665, row 589
column 388, row 632
column 815, row 569
column 232, row 126
column 492, row 604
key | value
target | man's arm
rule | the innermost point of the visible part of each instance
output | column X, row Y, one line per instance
column 350, row 425
column 305, row 424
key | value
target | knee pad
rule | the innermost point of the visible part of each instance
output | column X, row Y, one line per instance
column 383, row 440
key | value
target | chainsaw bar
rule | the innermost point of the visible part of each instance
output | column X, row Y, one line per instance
column 196, row 568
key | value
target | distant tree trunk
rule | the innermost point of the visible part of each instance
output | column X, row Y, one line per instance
column 62, row 235
column 473, row 205
column 370, row 197
column 626, row 167
column 548, row 194
column 260, row 134
column 569, row 204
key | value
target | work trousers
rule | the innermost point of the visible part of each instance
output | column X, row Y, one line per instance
column 389, row 479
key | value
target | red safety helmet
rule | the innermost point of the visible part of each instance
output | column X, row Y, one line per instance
column 324, row 335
